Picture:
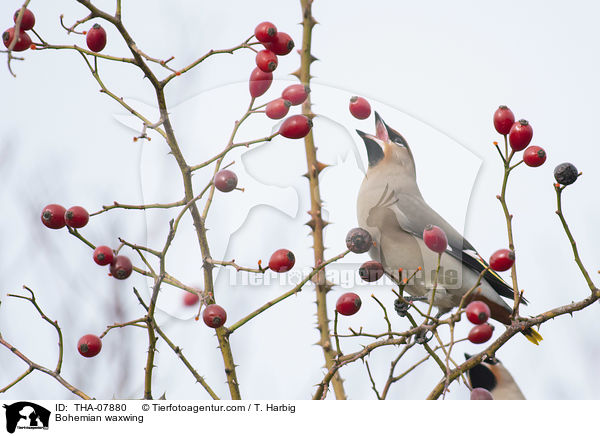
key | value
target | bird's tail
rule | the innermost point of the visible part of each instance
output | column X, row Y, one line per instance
column 533, row 336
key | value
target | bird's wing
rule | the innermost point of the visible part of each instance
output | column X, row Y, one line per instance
column 414, row 215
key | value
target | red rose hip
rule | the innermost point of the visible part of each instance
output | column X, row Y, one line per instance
column 121, row 267
column 360, row 108
column 28, row 20
column 371, row 271
column 214, row 316
column 481, row 333
column 282, row 260
column 265, row 31
column 225, row 181
column 502, row 260
column 520, row 135
column 260, row 81
column 348, row 304
column 534, row 156
column 96, row 38
column 77, row 217
column 23, row 42
column 503, row 120
column 190, row 299
column 53, row 216
column 281, row 45
column 266, row 60
column 296, row 94
column 295, row 127
column 103, row 255
column 89, row 345
column 435, row 239
column 478, row 312
column 277, row 109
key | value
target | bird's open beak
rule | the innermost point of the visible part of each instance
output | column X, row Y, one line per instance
column 374, row 148
column 381, row 128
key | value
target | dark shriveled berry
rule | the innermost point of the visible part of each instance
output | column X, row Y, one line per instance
column 225, row 181
column 566, row 173
column 359, row 240
column 371, row 271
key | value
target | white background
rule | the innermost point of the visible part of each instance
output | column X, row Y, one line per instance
column 435, row 71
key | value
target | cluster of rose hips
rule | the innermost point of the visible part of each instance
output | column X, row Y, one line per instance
column 23, row 39
column 55, row 216
column 519, row 136
column 278, row 44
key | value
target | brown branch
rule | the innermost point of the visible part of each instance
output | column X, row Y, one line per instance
column 317, row 223
column 34, row 366
column 289, row 293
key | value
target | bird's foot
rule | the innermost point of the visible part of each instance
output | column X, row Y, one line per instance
column 401, row 307
column 421, row 337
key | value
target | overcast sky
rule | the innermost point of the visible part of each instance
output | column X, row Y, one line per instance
column 435, row 71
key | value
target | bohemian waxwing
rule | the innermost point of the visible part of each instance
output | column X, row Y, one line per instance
column 492, row 375
column 391, row 208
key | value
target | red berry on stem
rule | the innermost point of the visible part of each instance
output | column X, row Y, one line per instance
column 89, row 345
column 503, row 120
column 103, row 255
column 225, row 181
column 266, row 60
column 502, row 259
column 295, row 127
column 478, row 312
column 281, row 45
column 348, row 304
column 360, row 108
column 96, row 38
column 77, row 217
column 520, row 135
column 534, row 156
column 481, row 394
column 190, row 299
column 214, row 316
column 296, row 94
column 260, row 81
column 359, row 240
column 282, row 260
column 370, row 271
column 278, row 109
column 435, row 239
column 23, row 42
column 481, row 333
column 28, row 20
column 265, row 31
column 121, row 267
column 53, row 216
